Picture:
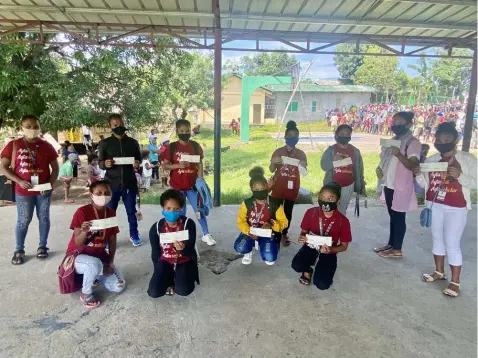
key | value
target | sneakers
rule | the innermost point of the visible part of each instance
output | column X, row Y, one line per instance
column 247, row 259
column 136, row 241
column 270, row 263
column 208, row 240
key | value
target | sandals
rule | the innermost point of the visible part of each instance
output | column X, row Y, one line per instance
column 285, row 240
column 304, row 279
column 390, row 254
column 89, row 301
column 170, row 291
column 451, row 293
column 18, row 257
column 431, row 278
column 69, row 201
column 383, row 248
column 42, row 252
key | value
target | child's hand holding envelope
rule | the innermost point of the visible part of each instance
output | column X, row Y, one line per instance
column 260, row 232
column 171, row 237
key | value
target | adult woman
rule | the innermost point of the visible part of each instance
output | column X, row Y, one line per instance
column 22, row 163
column 259, row 212
column 94, row 262
column 175, row 264
column 396, row 177
column 285, row 183
column 154, row 155
column 448, row 194
column 323, row 220
column 349, row 177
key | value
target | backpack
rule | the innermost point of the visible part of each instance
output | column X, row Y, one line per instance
column 172, row 149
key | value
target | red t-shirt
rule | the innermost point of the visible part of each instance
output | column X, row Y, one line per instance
column 454, row 194
column 168, row 253
column 337, row 226
column 344, row 176
column 96, row 247
column 287, row 176
column 183, row 179
column 256, row 209
column 24, row 164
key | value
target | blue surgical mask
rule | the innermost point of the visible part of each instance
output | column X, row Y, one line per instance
column 292, row 142
column 171, row 216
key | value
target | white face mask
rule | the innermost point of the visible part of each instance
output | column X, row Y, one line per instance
column 101, row 200
column 31, row 133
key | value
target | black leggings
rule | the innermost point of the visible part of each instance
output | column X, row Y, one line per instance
column 398, row 226
column 75, row 171
column 164, row 276
column 324, row 269
column 155, row 170
column 288, row 207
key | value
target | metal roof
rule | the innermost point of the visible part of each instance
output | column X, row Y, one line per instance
column 306, row 87
column 300, row 25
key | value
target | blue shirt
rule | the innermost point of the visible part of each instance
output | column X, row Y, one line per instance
column 153, row 157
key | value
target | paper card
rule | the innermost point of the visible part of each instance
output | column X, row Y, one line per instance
column 290, row 161
column 190, row 158
column 123, row 161
column 260, row 232
column 316, row 240
column 41, row 187
column 170, row 237
column 342, row 163
column 390, row 143
column 101, row 224
column 434, row 167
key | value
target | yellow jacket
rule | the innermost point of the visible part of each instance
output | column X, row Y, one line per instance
column 279, row 224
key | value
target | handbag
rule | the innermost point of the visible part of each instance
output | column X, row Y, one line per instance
column 426, row 214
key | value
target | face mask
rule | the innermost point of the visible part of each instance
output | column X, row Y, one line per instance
column 101, row 200
column 445, row 148
column 343, row 140
column 327, row 206
column 184, row 136
column 119, row 130
column 260, row 194
column 31, row 133
column 171, row 216
column 399, row 129
column 291, row 142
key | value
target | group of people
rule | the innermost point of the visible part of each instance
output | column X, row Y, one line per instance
column 263, row 219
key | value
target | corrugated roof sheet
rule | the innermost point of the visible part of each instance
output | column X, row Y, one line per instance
column 317, row 88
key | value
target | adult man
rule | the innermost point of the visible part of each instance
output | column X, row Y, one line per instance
column 122, row 176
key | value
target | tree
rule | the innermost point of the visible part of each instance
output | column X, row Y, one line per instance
column 347, row 65
column 267, row 64
column 424, row 82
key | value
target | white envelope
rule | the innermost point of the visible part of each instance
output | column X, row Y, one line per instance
column 434, row 167
column 290, row 161
column 390, row 143
column 41, row 187
column 316, row 240
column 123, row 161
column 342, row 163
column 190, row 158
column 102, row 224
column 260, row 232
column 170, row 237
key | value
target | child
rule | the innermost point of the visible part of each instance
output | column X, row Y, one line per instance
column 94, row 172
column 175, row 265
column 71, row 149
column 147, row 170
column 66, row 176
column 93, row 261
column 207, row 168
column 260, row 212
column 164, row 173
column 323, row 220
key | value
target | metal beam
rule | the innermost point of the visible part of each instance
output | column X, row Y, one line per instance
column 439, row 2
column 134, row 32
column 470, row 108
column 17, row 29
column 77, row 36
column 385, row 47
column 217, row 101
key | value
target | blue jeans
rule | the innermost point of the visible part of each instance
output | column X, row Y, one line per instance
column 193, row 200
column 25, row 207
column 129, row 201
column 268, row 246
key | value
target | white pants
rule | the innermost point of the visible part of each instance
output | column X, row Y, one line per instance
column 92, row 269
column 345, row 196
column 448, row 224
column 147, row 182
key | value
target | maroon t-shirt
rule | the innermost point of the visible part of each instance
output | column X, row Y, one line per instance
column 454, row 193
column 337, row 226
column 168, row 252
column 254, row 220
column 183, row 179
column 344, row 176
column 286, row 174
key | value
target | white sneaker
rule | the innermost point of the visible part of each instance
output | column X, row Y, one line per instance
column 247, row 259
column 270, row 263
column 208, row 240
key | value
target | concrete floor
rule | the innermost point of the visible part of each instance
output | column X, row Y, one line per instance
column 376, row 307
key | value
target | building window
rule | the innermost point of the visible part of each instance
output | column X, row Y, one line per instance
column 314, row 106
column 294, row 107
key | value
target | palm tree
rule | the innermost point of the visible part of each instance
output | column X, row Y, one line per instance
column 425, row 76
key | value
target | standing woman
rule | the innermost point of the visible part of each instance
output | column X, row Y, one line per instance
column 285, row 182
column 450, row 194
column 154, row 155
column 349, row 177
column 30, row 161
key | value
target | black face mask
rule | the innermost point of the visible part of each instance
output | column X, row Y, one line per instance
column 119, row 130
column 399, row 129
column 327, row 206
column 260, row 194
column 445, row 148
column 343, row 140
column 184, row 136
